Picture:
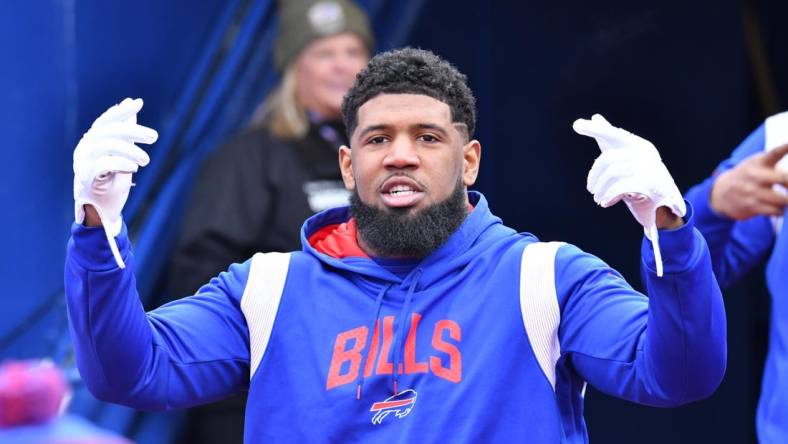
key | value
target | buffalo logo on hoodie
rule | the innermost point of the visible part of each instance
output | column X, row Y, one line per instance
column 400, row 405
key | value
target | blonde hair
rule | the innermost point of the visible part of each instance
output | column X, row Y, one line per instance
column 281, row 113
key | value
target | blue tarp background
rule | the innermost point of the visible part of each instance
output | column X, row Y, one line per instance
column 678, row 74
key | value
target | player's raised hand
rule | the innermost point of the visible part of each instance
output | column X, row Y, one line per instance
column 631, row 169
column 104, row 161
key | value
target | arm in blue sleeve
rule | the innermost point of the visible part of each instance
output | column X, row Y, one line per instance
column 192, row 351
column 735, row 246
column 664, row 350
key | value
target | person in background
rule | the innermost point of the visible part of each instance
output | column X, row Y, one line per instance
column 740, row 210
column 34, row 396
column 256, row 190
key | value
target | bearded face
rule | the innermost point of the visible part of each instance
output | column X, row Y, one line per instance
column 400, row 232
column 409, row 168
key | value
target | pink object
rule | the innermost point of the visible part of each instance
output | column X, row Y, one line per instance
column 31, row 392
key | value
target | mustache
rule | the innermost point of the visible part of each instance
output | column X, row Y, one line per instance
column 400, row 174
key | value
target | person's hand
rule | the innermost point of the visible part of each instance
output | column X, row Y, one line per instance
column 104, row 161
column 748, row 189
column 631, row 169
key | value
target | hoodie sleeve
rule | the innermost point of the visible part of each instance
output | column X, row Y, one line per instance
column 735, row 246
column 188, row 352
column 664, row 350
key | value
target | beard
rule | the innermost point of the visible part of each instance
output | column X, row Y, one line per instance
column 398, row 232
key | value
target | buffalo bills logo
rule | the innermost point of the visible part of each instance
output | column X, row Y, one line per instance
column 400, row 404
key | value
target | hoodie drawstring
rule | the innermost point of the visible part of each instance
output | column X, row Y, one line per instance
column 378, row 303
column 402, row 329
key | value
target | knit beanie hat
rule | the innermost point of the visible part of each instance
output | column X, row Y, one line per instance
column 302, row 21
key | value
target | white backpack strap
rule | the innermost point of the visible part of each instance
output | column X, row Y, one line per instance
column 260, row 301
column 539, row 304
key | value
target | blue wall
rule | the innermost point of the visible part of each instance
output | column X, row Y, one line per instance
column 64, row 62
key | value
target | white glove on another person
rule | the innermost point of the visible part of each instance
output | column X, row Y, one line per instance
column 104, row 160
column 630, row 169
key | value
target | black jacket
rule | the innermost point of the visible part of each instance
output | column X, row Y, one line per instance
column 252, row 195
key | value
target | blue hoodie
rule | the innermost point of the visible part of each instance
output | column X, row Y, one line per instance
column 736, row 248
column 491, row 338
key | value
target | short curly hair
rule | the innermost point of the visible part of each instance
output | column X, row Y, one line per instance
column 411, row 71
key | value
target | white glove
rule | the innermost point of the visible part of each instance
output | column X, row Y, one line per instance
column 630, row 169
column 104, row 160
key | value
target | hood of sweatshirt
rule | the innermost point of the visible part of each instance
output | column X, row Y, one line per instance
column 330, row 236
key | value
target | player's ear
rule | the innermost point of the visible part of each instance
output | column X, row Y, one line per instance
column 472, row 156
column 346, row 166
